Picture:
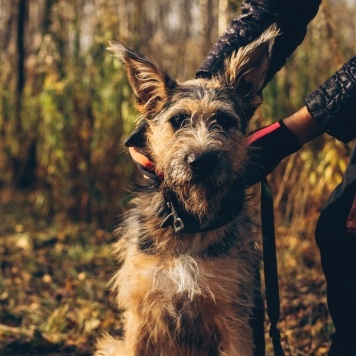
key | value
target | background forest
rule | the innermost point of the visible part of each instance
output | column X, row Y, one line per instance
column 65, row 110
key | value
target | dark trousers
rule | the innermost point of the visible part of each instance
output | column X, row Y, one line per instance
column 338, row 257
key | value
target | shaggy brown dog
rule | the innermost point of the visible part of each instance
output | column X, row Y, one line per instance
column 186, row 247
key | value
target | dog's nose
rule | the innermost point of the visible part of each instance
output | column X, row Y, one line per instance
column 202, row 162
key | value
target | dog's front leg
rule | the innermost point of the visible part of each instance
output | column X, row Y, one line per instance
column 137, row 341
column 236, row 339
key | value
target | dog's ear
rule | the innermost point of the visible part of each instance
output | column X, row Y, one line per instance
column 149, row 81
column 246, row 69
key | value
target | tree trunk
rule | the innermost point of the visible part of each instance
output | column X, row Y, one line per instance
column 24, row 164
column 20, row 45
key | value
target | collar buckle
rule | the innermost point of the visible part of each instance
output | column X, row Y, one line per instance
column 178, row 224
column 173, row 218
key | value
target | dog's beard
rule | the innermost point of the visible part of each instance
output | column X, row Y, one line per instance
column 197, row 199
column 200, row 195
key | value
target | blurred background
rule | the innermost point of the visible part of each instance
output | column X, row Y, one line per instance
column 65, row 110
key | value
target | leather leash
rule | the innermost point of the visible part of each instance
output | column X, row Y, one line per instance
column 270, row 266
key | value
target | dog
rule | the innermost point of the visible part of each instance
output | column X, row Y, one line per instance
column 186, row 249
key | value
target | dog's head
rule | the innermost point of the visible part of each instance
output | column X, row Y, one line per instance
column 197, row 129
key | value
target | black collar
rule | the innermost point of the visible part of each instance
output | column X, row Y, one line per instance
column 176, row 217
column 173, row 213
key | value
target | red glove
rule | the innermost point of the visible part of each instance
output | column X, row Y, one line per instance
column 267, row 147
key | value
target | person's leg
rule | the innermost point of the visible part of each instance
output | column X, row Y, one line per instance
column 338, row 257
column 339, row 264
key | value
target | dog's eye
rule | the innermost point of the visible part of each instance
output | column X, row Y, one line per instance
column 225, row 121
column 179, row 120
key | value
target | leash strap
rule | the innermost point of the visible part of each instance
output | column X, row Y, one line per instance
column 270, row 266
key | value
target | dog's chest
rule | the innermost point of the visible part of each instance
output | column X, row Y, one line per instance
column 190, row 303
column 181, row 276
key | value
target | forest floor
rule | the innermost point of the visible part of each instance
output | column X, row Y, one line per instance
column 55, row 300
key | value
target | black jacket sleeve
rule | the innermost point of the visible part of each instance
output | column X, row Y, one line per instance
column 333, row 104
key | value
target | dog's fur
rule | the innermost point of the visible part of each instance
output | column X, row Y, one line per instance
column 190, row 294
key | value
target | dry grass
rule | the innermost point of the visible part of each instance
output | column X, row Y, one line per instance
column 53, row 285
column 305, row 323
column 54, row 298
